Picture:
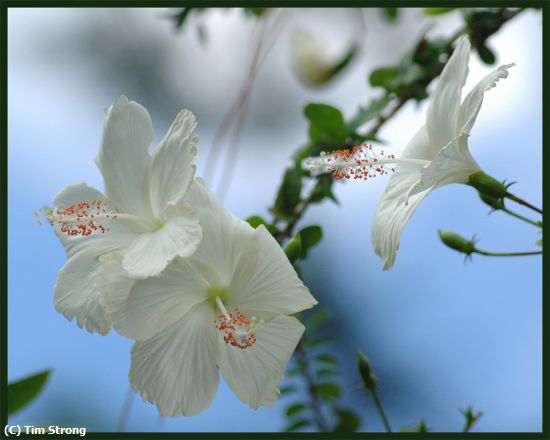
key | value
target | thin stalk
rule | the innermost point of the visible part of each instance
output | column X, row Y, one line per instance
column 523, row 202
column 507, row 254
column 525, row 219
column 125, row 411
column 380, row 409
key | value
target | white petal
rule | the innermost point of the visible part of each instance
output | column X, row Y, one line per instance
column 393, row 212
column 255, row 372
column 224, row 234
column 442, row 117
column 265, row 281
column 173, row 165
column 118, row 236
column 76, row 293
column 150, row 252
column 113, row 285
column 156, row 303
column 176, row 370
column 453, row 164
column 472, row 103
column 124, row 158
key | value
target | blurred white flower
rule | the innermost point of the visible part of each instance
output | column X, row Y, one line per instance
column 142, row 213
column 313, row 61
column 223, row 308
column 437, row 154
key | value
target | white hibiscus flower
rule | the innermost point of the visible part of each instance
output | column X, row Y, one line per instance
column 437, row 155
column 222, row 309
column 142, row 213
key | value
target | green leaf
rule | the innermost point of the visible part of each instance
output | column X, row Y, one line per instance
column 326, row 124
column 486, row 55
column 323, row 189
column 539, row 242
column 437, row 11
column 289, row 192
column 383, row 76
column 294, row 426
column 327, row 390
column 256, row 12
column 421, row 427
column 287, row 389
column 256, row 220
column 391, row 14
column 366, row 114
column 317, row 319
column 22, row 392
column 293, row 249
column 326, row 372
column 295, row 408
column 326, row 359
column 310, row 237
column 347, row 421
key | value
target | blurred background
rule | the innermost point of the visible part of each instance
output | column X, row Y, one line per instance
column 441, row 334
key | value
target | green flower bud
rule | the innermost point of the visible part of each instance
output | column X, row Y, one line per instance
column 487, row 185
column 369, row 379
column 493, row 202
column 293, row 248
column 456, row 242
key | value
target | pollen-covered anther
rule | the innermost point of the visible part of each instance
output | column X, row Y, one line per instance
column 360, row 162
column 83, row 218
column 238, row 331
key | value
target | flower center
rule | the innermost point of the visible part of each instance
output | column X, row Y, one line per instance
column 361, row 162
column 238, row 331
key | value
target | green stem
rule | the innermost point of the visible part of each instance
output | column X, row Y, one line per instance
column 522, row 202
column 381, row 410
column 525, row 219
column 507, row 254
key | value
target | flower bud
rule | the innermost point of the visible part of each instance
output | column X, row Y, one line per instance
column 293, row 248
column 493, row 202
column 487, row 185
column 456, row 242
column 369, row 379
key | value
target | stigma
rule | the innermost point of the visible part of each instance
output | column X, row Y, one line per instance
column 81, row 219
column 238, row 331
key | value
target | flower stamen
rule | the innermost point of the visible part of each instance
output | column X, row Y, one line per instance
column 238, row 331
column 361, row 162
column 83, row 218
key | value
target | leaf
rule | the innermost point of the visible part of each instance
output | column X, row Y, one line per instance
column 421, row 427
column 347, row 421
column 383, row 76
column 325, row 372
column 256, row 220
column 256, row 12
column 539, row 242
column 326, row 124
column 327, row 390
column 287, row 389
column 323, row 189
column 317, row 319
column 310, row 237
column 326, row 359
column 22, row 392
column 295, row 408
column 437, row 11
column 366, row 114
column 391, row 14
column 289, row 192
column 486, row 55
column 293, row 248
column 294, row 426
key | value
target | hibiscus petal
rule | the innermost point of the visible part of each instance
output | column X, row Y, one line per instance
column 118, row 236
column 176, row 370
column 453, row 164
column 442, row 117
column 255, row 372
column 124, row 159
column 472, row 103
column 265, row 281
column 113, row 284
column 393, row 212
column 156, row 303
column 227, row 235
column 173, row 165
column 150, row 252
column 76, row 293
